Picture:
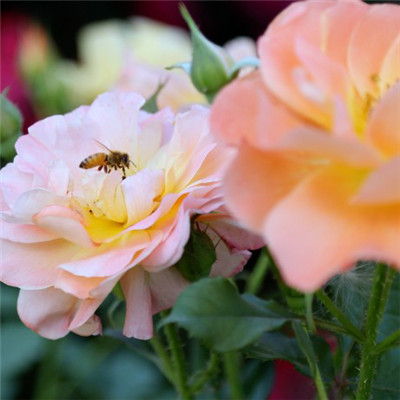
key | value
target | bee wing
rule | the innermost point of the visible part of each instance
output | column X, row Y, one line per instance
column 102, row 145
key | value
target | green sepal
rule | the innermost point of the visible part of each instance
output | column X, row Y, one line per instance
column 117, row 291
column 151, row 105
column 198, row 256
column 185, row 66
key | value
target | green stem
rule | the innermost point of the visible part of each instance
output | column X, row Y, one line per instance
column 178, row 361
column 339, row 315
column 206, row 375
column 231, row 365
column 380, row 291
column 165, row 362
column 306, row 346
column 309, row 313
column 320, row 385
column 392, row 340
column 48, row 379
column 257, row 276
column 331, row 327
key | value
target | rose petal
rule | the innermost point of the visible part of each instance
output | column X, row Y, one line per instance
column 367, row 50
column 229, row 261
column 188, row 173
column 259, row 118
column 280, row 67
column 58, row 178
column 138, row 320
column 87, row 307
column 165, row 287
column 151, row 135
column 31, row 150
column 382, row 186
column 176, row 231
column 33, row 201
column 92, row 327
column 231, row 232
column 61, row 133
column 13, row 183
column 65, row 223
column 51, row 312
column 326, row 233
column 117, row 112
column 323, row 147
column 384, row 123
column 112, row 199
column 339, row 23
column 140, row 192
column 78, row 286
column 329, row 76
column 34, row 265
column 107, row 261
column 390, row 70
column 47, row 312
column 257, row 180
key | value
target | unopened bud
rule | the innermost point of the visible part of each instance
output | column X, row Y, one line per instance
column 10, row 127
column 35, row 50
column 211, row 64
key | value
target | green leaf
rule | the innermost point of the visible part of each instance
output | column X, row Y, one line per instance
column 258, row 379
column 212, row 309
column 198, row 257
column 278, row 346
column 386, row 384
column 306, row 346
column 391, row 317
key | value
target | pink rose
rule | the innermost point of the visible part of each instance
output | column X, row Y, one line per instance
column 317, row 128
column 71, row 234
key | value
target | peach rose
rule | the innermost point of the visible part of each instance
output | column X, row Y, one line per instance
column 318, row 133
column 69, row 235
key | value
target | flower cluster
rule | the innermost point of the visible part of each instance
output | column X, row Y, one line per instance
column 128, row 56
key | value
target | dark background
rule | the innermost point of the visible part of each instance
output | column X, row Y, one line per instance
column 219, row 20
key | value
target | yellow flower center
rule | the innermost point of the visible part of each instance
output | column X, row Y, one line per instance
column 361, row 105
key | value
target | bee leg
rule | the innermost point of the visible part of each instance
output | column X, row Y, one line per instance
column 99, row 169
column 105, row 169
column 123, row 171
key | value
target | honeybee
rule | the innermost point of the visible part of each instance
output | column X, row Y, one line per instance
column 114, row 159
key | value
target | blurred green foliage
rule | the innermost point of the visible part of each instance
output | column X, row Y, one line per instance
column 71, row 368
column 10, row 128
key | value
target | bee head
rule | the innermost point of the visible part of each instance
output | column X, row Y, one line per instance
column 125, row 159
